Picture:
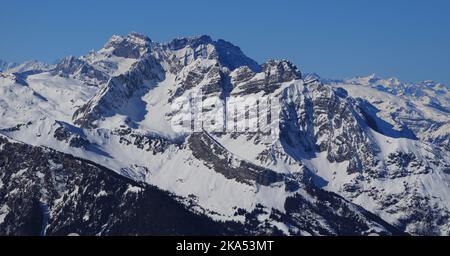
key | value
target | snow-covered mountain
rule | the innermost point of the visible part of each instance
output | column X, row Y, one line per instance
column 4, row 65
column 257, row 146
column 33, row 66
column 28, row 66
column 416, row 109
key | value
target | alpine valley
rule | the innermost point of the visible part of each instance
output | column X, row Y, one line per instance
column 87, row 147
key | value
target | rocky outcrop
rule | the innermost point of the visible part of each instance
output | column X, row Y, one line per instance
column 205, row 148
column 74, row 136
column 133, row 46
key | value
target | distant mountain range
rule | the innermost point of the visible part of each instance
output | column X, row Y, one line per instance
column 193, row 137
column 4, row 65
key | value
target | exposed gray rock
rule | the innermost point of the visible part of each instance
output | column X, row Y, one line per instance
column 246, row 81
column 118, row 91
column 72, row 67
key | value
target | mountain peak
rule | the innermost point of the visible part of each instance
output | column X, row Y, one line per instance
column 133, row 46
column 192, row 41
column 132, row 37
column 284, row 67
column 33, row 66
column 228, row 54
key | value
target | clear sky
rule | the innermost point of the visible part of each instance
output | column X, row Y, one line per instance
column 409, row 39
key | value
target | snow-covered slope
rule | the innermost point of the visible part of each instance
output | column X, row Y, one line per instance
column 115, row 58
column 413, row 109
column 270, row 145
column 32, row 66
column 47, row 192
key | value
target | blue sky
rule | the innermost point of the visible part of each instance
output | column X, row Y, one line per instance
column 409, row 39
